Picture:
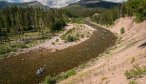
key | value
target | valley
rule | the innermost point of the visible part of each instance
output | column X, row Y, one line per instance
column 72, row 42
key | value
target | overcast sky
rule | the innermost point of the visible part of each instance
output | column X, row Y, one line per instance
column 55, row 3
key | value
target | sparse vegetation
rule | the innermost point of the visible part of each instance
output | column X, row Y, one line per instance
column 76, row 33
column 133, row 60
column 49, row 80
column 71, row 38
column 133, row 82
column 54, row 79
column 122, row 30
column 78, row 20
column 5, row 50
column 137, row 72
column 137, row 9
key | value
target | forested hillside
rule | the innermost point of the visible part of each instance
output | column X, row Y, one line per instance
column 136, row 8
column 19, row 20
column 35, row 4
column 26, row 24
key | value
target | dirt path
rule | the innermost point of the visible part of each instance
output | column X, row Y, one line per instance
column 111, row 66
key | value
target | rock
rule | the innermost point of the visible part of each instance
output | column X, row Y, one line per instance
column 22, row 59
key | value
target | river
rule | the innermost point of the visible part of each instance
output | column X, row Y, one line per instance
column 21, row 69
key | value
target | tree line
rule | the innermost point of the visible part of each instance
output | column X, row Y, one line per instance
column 136, row 8
column 18, row 20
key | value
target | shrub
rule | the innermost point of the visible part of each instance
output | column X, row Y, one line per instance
column 5, row 50
column 128, row 74
column 71, row 38
column 69, row 73
column 49, row 80
column 53, row 80
column 133, row 60
column 58, row 25
column 21, row 45
column 132, row 82
column 57, row 40
column 137, row 72
column 122, row 30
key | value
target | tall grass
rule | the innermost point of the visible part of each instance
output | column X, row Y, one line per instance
column 137, row 72
column 54, row 79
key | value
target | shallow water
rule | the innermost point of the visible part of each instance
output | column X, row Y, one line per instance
column 14, row 70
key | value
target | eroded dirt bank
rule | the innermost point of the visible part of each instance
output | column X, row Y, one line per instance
column 130, row 51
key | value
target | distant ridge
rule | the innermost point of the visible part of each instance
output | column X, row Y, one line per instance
column 95, row 4
column 4, row 4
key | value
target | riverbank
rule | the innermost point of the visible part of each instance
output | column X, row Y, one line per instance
column 22, row 68
column 128, row 54
column 57, row 43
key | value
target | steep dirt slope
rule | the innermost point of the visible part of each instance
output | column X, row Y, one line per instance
column 109, row 68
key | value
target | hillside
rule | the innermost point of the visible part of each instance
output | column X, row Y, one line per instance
column 4, row 4
column 74, row 42
column 95, row 4
column 118, row 62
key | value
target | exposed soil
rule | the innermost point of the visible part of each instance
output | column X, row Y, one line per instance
column 111, row 66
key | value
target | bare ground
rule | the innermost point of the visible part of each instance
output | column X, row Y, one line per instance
column 110, row 67
column 56, row 42
column 54, row 45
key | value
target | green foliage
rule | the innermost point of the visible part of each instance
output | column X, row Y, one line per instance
column 19, row 45
column 71, row 38
column 136, row 8
column 106, row 16
column 4, row 50
column 58, row 25
column 68, row 74
column 137, row 72
column 78, row 20
column 122, row 30
column 49, row 80
column 53, row 80
column 133, row 82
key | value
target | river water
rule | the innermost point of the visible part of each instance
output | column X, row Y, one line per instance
column 21, row 69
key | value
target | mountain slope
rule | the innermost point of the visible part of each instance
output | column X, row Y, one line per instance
column 96, row 4
column 4, row 4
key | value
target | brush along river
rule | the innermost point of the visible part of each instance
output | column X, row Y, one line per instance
column 22, row 69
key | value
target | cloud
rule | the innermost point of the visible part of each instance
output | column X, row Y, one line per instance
column 57, row 3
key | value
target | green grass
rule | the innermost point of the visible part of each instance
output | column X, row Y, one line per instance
column 69, row 37
column 133, row 82
column 6, row 49
column 31, row 39
column 68, row 73
column 78, row 20
column 49, row 80
column 54, row 79
column 137, row 72
column 68, row 32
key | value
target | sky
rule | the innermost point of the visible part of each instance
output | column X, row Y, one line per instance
column 55, row 3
